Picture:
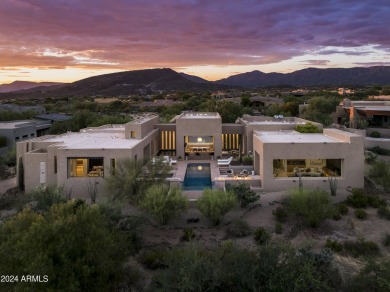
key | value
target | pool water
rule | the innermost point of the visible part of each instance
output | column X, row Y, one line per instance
column 198, row 177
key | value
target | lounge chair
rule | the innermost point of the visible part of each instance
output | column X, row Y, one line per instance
column 225, row 162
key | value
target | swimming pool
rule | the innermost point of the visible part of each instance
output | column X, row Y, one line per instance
column 198, row 177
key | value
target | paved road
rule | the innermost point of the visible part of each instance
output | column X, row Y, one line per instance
column 7, row 184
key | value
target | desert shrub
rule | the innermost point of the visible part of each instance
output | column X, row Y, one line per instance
column 231, row 268
column 373, row 277
column 262, row 236
column 370, row 156
column 10, row 157
column 313, row 204
column 343, row 209
column 386, row 239
column 214, row 204
column 361, row 247
column 360, row 214
column 247, row 158
column 163, row 202
column 245, row 195
column 380, row 173
column 239, row 228
column 278, row 228
column 357, row 199
column 380, row 151
column 334, row 245
column 336, row 215
column 375, row 134
column 188, row 234
column 280, row 214
column 375, row 201
column 307, row 128
column 194, row 268
column 384, row 212
column 42, row 198
column 152, row 259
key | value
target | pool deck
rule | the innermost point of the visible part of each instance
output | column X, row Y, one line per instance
column 218, row 180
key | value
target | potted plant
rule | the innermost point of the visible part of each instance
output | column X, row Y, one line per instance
column 247, row 160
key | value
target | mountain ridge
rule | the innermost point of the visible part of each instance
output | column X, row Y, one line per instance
column 376, row 75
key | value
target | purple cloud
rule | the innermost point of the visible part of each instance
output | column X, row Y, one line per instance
column 137, row 34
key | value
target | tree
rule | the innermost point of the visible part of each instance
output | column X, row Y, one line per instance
column 124, row 185
column 163, row 202
column 313, row 204
column 229, row 111
column 72, row 244
column 214, row 204
column 131, row 180
column 245, row 101
column 231, row 268
column 45, row 197
column 307, row 128
column 245, row 195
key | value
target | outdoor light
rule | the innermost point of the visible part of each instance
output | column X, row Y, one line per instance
column 200, row 167
column 199, row 139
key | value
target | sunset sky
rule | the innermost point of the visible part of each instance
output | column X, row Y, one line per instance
column 67, row 40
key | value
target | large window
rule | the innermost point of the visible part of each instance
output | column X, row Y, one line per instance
column 197, row 144
column 316, row 167
column 168, row 140
column 86, row 167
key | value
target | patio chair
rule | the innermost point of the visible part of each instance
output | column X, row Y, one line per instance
column 225, row 162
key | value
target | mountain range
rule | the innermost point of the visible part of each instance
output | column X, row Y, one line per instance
column 378, row 75
column 155, row 80
column 23, row 85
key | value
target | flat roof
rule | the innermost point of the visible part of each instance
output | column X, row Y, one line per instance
column 275, row 122
column 16, row 124
column 199, row 115
column 294, row 137
column 54, row 117
column 110, row 139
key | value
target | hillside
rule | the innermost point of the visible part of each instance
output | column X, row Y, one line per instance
column 379, row 75
column 123, row 83
column 24, row 85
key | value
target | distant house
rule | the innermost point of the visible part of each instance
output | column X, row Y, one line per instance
column 15, row 131
column 53, row 117
column 22, row 108
column 344, row 91
column 265, row 101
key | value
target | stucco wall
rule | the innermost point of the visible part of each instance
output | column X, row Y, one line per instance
column 199, row 127
column 351, row 153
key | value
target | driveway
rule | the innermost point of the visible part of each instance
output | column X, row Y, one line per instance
column 7, row 184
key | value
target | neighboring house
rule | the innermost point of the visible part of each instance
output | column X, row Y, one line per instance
column 376, row 113
column 53, row 117
column 15, row 131
column 265, row 101
column 344, row 91
column 76, row 160
column 22, row 108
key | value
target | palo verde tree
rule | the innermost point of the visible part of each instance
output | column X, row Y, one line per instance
column 214, row 204
column 163, row 202
column 131, row 178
